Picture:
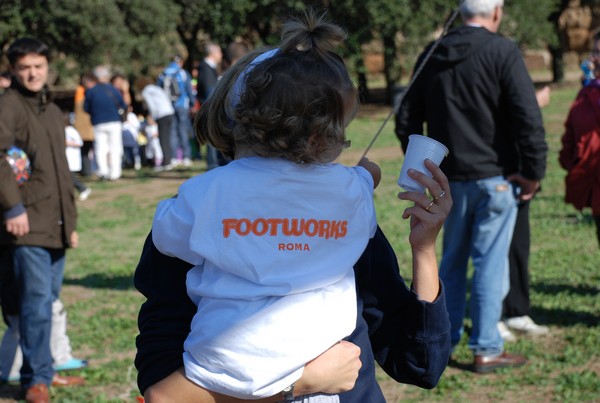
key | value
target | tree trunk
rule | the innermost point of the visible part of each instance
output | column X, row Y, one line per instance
column 558, row 64
column 390, row 67
column 363, row 88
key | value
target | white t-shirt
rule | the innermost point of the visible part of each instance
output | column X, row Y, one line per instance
column 73, row 153
column 132, row 124
column 274, row 244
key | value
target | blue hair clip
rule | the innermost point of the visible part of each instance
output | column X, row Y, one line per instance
column 239, row 86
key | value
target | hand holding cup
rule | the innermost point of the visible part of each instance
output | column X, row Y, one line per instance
column 419, row 149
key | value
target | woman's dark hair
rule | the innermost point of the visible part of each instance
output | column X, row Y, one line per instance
column 294, row 105
column 25, row 46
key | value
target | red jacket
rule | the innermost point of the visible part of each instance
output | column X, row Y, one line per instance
column 580, row 153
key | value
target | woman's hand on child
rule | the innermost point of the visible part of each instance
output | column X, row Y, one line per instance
column 334, row 371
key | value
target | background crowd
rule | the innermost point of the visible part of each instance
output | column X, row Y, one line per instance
column 147, row 122
column 102, row 134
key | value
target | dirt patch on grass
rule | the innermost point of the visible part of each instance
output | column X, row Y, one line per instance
column 164, row 184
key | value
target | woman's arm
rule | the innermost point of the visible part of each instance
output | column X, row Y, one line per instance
column 334, row 371
column 427, row 217
column 409, row 329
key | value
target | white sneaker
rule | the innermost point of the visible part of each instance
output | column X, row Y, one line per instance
column 85, row 194
column 525, row 324
column 187, row 162
column 506, row 334
column 163, row 168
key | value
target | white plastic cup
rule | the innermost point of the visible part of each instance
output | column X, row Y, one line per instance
column 420, row 148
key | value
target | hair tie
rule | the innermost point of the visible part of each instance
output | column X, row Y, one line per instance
column 239, row 87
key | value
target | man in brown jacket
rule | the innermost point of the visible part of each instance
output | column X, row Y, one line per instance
column 39, row 215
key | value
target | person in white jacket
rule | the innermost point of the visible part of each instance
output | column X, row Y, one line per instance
column 162, row 112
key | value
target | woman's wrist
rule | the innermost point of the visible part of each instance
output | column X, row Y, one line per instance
column 301, row 388
column 426, row 282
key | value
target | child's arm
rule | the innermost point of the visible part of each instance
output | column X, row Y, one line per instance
column 373, row 169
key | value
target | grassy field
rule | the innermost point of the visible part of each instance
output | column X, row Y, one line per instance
column 565, row 289
column 565, row 283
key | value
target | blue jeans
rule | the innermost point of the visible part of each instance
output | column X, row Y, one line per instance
column 480, row 225
column 181, row 132
column 38, row 275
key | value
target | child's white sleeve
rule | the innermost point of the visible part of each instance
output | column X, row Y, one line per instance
column 172, row 228
column 368, row 192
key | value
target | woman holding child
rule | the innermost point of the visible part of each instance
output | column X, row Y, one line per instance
column 281, row 116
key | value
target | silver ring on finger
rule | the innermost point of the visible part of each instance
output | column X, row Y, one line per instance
column 440, row 196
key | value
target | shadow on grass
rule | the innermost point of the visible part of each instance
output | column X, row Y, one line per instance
column 178, row 173
column 99, row 280
column 579, row 290
column 562, row 316
column 462, row 364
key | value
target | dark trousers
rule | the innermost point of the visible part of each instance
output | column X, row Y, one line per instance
column 78, row 185
column 164, row 137
column 87, row 168
column 9, row 296
column 516, row 302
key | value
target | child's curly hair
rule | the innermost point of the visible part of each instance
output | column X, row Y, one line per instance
column 294, row 105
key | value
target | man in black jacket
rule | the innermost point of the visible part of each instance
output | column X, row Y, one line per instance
column 477, row 98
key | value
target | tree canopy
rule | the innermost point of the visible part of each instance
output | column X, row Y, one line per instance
column 138, row 36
